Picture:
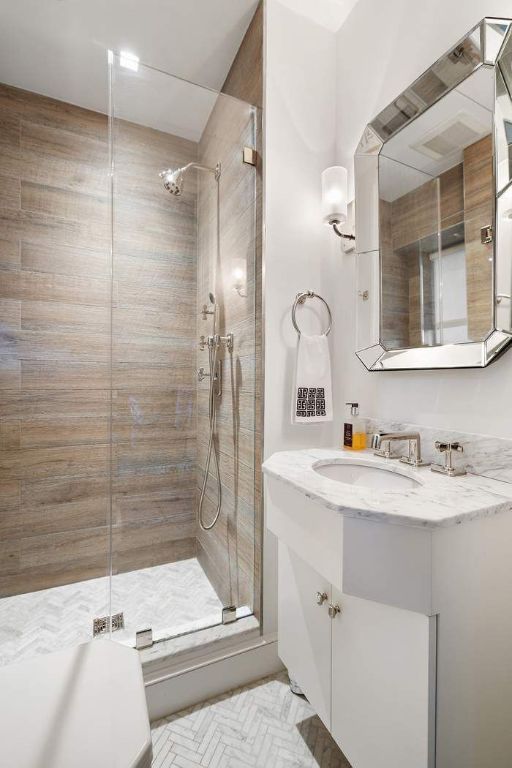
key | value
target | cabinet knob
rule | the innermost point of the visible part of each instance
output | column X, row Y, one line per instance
column 334, row 610
column 321, row 597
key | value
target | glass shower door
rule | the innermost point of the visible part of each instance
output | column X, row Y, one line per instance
column 184, row 225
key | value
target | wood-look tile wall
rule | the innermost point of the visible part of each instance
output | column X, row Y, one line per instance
column 56, row 379
column 478, row 213
column 464, row 193
column 404, row 222
column 153, row 352
column 55, row 343
column 231, row 552
column 394, row 284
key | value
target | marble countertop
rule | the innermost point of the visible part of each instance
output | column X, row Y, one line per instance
column 438, row 500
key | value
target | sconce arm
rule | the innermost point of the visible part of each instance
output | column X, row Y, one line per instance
column 334, row 225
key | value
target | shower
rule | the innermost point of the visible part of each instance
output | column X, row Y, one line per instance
column 174, row 183
column 174, row 177
column 122, row 488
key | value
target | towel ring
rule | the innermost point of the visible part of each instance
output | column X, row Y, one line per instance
column 300, row 299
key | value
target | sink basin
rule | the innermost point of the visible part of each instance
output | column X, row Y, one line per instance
column 367, row 476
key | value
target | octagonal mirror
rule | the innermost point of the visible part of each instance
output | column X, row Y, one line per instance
column 433, row 176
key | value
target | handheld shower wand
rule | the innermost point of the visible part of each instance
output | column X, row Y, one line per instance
column 213, row 349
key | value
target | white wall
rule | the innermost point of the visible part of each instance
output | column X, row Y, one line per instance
column 301, row 253
column 381, row 49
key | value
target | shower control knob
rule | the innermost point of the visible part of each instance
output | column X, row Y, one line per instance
column 202, row 374
column 321, row 597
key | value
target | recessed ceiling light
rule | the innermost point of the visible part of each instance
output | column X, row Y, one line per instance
column 129, row 60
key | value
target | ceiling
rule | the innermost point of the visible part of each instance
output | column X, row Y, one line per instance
column 328, row 13
column 59, row 48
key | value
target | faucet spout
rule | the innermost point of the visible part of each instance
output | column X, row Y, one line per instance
column 383, row 443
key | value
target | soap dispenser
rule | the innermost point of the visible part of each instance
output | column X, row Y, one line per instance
column 354, row 433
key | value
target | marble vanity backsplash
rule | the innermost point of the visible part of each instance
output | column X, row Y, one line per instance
column 483, row 455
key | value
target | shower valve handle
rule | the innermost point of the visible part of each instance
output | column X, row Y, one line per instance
column 205, row 311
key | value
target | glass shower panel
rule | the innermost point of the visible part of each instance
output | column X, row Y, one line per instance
column 55, row 283
column 183, row 354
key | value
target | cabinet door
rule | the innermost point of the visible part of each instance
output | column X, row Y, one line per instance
column 304, row 636
column 383, row 672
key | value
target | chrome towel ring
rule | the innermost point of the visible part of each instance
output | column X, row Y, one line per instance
column 300, row 299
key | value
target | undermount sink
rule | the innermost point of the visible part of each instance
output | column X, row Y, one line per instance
column 367, row 476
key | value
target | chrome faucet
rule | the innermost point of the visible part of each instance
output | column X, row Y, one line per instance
column 382, row 443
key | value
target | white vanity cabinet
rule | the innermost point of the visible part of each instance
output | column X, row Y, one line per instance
column 415, row 671
column 366, row 670
column 305, row 642
column 382, row 684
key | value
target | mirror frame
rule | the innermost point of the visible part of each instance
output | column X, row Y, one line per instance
column 484, row 44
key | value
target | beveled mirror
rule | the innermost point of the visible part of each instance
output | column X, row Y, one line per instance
column 433, row 176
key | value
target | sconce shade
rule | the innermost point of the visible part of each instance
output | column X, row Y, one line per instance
column 334, row 194
column 239, row 275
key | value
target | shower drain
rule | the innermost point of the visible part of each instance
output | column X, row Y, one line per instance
column 103, row 624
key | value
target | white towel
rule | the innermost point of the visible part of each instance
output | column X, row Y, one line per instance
column 312, row 392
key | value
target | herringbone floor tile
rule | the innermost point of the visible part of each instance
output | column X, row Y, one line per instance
column 172, row 599
column 263, row 725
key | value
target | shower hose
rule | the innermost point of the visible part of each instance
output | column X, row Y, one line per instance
column 212, row 447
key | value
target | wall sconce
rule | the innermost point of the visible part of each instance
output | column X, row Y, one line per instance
column 334, row 198
column 239, row 276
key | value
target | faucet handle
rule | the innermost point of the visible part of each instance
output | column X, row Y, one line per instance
column 447, row 448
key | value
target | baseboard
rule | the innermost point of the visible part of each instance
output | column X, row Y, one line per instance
column 240, row 666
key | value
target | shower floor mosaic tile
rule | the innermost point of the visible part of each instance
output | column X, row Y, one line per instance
column 263, row 725
column 172, row 599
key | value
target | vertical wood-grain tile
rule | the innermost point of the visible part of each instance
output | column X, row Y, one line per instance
column 54, row 342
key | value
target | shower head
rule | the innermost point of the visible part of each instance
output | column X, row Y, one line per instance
column 173, row 180
column 211, row 297
column 174, row 177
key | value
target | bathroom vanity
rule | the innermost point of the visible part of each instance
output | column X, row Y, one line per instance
column 395, row 582
column 394, row 596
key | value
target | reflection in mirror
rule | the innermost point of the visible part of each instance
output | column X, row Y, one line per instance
column 436, row 214
column 494, row 31
column 505, row 63
column 504, row 118
column 444, row 75
column 503, row 133
column 503, row 277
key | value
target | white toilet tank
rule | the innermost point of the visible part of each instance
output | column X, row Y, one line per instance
column 83, row 707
